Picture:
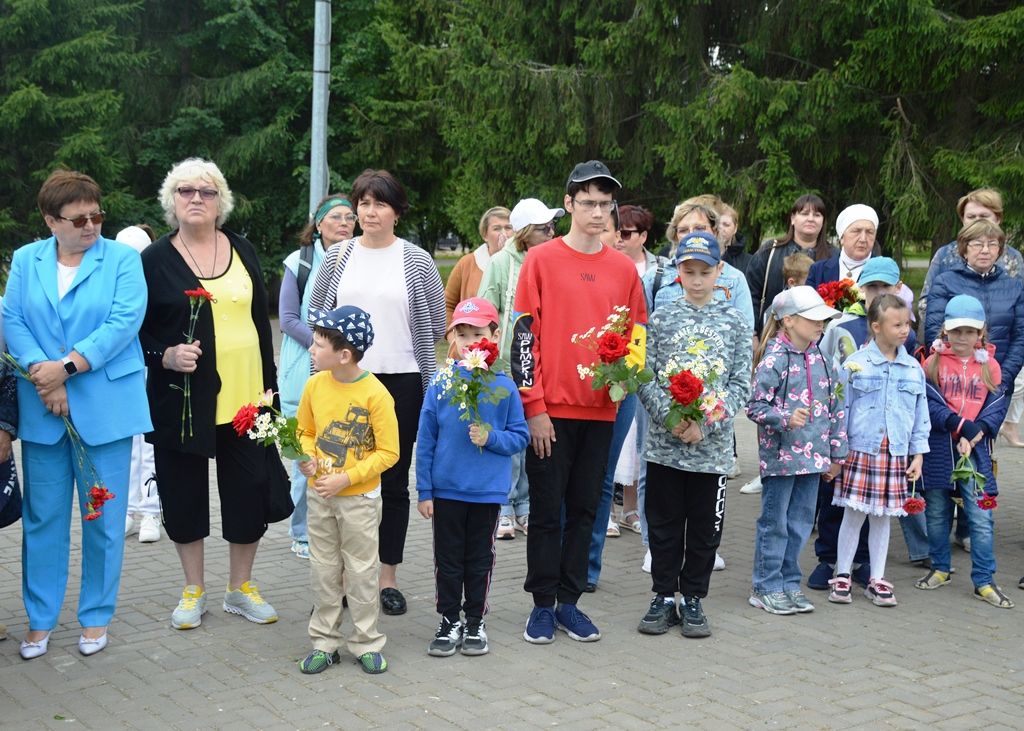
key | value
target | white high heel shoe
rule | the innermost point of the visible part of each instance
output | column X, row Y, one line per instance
column 91, row 645
column 32, row 650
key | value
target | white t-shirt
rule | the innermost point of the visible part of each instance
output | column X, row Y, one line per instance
column 65, row 277
column 374, row 280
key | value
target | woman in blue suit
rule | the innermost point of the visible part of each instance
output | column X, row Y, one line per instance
column 72, row 312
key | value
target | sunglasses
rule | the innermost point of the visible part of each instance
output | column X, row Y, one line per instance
column 207, row 194
column 80, row 221
column 627, row 233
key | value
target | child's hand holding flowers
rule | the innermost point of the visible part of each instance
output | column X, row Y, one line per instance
column 478, row 434
column 914, row 469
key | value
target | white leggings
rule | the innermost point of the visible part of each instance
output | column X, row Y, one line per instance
column 849, row 537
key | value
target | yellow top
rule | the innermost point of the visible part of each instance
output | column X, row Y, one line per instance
column 238, row 344
column 349, row 427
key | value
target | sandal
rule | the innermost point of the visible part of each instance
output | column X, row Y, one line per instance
column 933, row 580
column 993, row 595
column 632, row 524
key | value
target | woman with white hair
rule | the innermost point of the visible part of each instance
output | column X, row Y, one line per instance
column 195, row 388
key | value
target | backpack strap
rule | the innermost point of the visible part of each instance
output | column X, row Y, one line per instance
column 656, row 284
column 304, row 268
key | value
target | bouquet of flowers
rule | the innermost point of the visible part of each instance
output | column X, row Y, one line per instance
column 965, row 474
column 692, row 387
column 914, row 504
column 467, row 390
column 839, row 295
column 196, row 299
column 98, row 492
column 267, row 425
column 610, row 343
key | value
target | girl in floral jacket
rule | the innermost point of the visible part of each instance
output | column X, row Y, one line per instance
column 800, row 435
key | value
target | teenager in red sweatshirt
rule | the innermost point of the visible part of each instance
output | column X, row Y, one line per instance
column 567, row 286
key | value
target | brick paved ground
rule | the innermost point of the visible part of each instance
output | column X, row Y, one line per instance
column 940, row 659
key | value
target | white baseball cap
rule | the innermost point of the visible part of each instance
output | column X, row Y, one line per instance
column 804, row 301
column 134, row 236
column 531, row 210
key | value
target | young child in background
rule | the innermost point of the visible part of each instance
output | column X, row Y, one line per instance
column 339, row 402
column 463, row 475
column 966, row 407
column 687, row 465
column 887, row 423
column 801, row 436
column 795, row 268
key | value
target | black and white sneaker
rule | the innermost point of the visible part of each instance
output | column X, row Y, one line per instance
column 448, row 638
column 660, row 616
column 695, row 623
column 474, row 642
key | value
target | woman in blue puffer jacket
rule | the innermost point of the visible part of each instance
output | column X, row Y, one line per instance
column 980, row 244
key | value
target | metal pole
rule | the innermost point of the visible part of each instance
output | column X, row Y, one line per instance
column 321, row 93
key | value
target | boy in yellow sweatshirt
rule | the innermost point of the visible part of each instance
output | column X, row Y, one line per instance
column 347, row 424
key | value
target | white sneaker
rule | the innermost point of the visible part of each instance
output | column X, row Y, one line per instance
column 613, row 528
column 506, row 528
column 129, row 525
column 752, row 488
column 149, row 529
column 719, row 563
column 523, row 523
column 646, row 566
column 736, row 470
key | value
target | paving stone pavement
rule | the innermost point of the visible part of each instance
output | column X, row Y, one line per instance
column 940, row 659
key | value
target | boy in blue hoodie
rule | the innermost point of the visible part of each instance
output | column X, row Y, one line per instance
column 463, row 475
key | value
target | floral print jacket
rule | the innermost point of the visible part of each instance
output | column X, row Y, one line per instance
column 785, row 380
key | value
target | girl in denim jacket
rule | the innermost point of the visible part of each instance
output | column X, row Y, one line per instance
column 800, row 437
column 886, row 420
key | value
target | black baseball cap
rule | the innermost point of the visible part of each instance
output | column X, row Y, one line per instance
column 590, row 171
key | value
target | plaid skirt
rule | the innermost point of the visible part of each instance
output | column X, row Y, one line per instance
column 873, row 483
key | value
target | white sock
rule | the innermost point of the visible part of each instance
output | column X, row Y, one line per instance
column 849, row 537
column 878, row 543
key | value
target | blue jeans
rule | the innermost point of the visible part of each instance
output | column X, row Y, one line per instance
column 623, row 419
column 787, row 515
column 297, row 526
column 981, row 527
column 915, row 533
column 519, row 496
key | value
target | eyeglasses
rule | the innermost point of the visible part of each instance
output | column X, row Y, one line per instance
column 548, row 228
column 346, row 217
column 188, row 193
column 589, row 205
column 627, row 233
column 976, row 245
column 79, row 221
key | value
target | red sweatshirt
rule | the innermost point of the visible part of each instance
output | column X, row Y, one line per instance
column 960, row 382
column 562, row 292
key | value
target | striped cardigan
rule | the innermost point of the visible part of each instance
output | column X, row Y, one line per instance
column 426, row 297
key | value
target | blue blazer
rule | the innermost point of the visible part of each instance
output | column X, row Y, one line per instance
column 823, row 271
column 99, row 317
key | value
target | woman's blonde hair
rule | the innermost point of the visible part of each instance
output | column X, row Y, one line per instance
column 977, row 229
column 771, row 329
column 931, row 365
column 520, row 237
column 196, row 168
column 495, row 212
column 683, row 210
column 988, row 197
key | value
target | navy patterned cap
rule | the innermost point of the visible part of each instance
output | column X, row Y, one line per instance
column 350, row 321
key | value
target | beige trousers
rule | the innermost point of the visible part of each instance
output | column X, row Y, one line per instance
column 343, row 561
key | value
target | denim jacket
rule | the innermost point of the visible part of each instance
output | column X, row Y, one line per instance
column 731, row 286
column 787, row 379
column 885, row 397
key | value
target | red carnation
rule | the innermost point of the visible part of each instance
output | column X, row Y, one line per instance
column 488, row 347
column 611, row 346
column 200, row 292
column 245, row 419
column 987, row 502
column 914, row 505
column 93, row 515
column 685, row 387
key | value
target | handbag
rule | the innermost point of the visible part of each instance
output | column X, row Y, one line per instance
column 278, row 503
column 10, row 493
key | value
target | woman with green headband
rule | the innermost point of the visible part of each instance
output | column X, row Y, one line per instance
column 333, row 221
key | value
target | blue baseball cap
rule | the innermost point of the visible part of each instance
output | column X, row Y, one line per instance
column 698, row 246
column 880, row 269
column 350, row 321
column 964, row 311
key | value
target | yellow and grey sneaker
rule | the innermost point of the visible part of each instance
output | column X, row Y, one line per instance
column 246, row 600
column 191, row 608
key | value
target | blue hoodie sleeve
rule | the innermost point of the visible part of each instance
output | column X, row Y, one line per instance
column 426, row 443
column 516, row 435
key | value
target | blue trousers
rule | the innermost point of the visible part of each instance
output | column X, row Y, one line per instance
column 980, row 524
column 623, row 419
column 51, row 473
column 297, row 528
column 787, row 515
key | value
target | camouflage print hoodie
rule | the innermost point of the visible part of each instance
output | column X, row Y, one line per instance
column 682, row 335
column 787, row 379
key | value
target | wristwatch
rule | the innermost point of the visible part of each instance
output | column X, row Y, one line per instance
column 69, row 366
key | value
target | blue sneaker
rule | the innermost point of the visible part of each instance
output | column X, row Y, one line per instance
column 540, row 627
column 819, row 578
column 576, row 624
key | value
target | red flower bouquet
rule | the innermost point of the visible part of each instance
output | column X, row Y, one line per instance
column 610, row 343
column 690, row 379
column 467, row 390
column 262, row 422
column 839, row 295
column 196, row 299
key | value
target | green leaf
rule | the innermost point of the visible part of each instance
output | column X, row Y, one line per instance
column 616, row 392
